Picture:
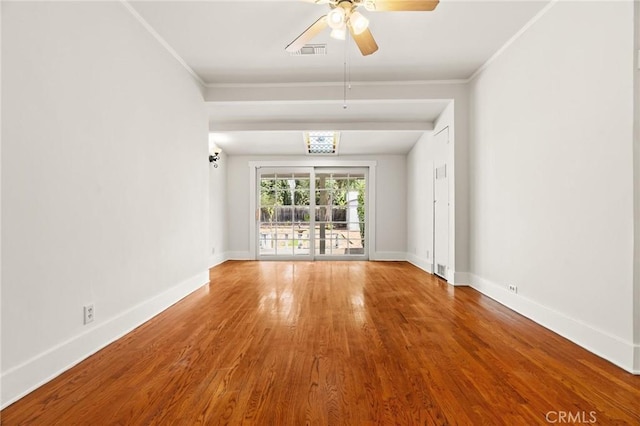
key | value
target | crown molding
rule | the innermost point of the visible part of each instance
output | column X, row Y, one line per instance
column 333, row 84
column 418, row 101
column 395, row 126
column 162, row 41
column 512, row 40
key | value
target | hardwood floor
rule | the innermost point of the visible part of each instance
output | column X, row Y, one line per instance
column 345, row 343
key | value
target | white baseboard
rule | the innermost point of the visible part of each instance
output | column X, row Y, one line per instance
column 217, row 259
column 603, row 344
column 238, row 255
column 457, row 279
column 636, row 358
column 424, row 264
column 388, row 256
column 461, row 279
column 33, row 373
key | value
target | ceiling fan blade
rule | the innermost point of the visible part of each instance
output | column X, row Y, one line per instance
column 365, row 41
column 313, row 30
column 400, row 5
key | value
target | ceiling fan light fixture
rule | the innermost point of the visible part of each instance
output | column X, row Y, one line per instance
column 370, row 5
column 358, row 23
column 339, row 33
column 337, row 18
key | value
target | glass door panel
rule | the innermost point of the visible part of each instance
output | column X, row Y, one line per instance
column 340, row 213
column 284, row 214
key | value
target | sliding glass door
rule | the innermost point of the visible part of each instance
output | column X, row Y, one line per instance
column 284, row 214
column 312, row 213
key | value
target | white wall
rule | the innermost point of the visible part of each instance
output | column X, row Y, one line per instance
column 425, row 155
column 420, row 164
column 420, row 203
column 218, row 235
column 551, row 175
column 636, row 146
column 1, row 221
column 391, row 206
column 104, row 183
column 390, row 202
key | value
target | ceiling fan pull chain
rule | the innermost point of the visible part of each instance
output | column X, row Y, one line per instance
column 344, row 105
column 348, row 59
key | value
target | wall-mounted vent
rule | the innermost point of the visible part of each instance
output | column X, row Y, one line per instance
column 441, row 270
column 311, row 49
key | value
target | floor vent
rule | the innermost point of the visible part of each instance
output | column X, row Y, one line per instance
column 441, row 270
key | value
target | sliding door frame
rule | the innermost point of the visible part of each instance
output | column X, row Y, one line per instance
column 304, row 165
column 284, row 171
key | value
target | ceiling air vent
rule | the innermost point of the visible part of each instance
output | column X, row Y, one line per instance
column 311, row 49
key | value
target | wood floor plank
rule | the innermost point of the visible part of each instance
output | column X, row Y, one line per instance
column 334, row 343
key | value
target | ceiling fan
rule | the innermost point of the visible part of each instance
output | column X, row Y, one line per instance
column 343, row 15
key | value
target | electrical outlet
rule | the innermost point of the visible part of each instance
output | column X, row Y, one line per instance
column 213, row 250
column 88, row 313
column 513, row 288
column 428, row 257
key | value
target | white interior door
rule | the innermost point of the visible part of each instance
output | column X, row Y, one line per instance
column 441, row 221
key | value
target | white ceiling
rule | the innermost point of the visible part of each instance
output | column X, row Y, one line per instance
column 264, row 128
column 292, row 143
column 242, row 42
